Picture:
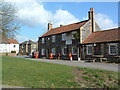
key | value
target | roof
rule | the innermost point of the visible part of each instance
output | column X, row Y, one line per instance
column 28, row 42
column 65, row 28
column 9, row 41
column 4, row 40
column 103, row 36
column 12, row 41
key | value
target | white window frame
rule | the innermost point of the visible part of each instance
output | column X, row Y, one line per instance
column 113, row 44
column 53, row 51
column 63, row 36
column 63, row 51
column 42, row 51
column 43, row 40
column 73, row 50
column 87, row 49
column 53, row 38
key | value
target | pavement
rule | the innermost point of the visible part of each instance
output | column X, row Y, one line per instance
column 96, row 65
column 9, row 86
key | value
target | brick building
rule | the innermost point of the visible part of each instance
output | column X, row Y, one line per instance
column 102, row 44
column 28, row 47
column 80, row 39
column 66, row 38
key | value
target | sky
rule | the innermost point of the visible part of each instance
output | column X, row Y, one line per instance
column 34, row 16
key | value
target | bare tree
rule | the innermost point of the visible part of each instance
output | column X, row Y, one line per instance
column 8, row 23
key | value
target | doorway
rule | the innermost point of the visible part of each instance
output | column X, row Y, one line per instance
column 47, row 53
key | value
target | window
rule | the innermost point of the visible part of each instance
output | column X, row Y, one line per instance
column 89, row 49
column 74, row 50
column 64, row 50
column 63, row 36
column 34, row 46
column 42, row 52
column 53, row 38
column 53, row 51
column 22, row 46
column 48, row 38
column 14, row 46
column 43, row 40
column 73, row 34
column 113, row 49
column 68, row 42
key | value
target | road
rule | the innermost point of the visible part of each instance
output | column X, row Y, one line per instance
column 96, row 65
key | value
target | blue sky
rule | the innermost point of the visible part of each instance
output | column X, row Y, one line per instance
column 34, row 16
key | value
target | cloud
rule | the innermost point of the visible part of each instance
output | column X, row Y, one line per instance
column 104, row 21
column 34, row 13
column 63, row 17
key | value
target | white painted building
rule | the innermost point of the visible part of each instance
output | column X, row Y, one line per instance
column 9, row 45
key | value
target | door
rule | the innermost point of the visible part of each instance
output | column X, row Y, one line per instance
column 47, row 53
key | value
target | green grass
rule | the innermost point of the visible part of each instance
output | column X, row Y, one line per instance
column 35, row 74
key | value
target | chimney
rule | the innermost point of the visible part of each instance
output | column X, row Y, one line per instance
column 49, row 26
column 92, row 18
column 61, row 25
column 91, row 13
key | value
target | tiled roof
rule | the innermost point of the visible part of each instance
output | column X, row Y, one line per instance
column 12, row 41
column 65, row 28
column 8, row 41
column 103, row 36
column 28, row 42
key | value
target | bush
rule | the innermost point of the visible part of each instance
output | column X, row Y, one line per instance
column 13, row 51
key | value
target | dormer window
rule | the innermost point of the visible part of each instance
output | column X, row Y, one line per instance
column 43, row 40
column 53, row 38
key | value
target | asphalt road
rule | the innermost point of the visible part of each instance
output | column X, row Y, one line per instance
column 96, row 65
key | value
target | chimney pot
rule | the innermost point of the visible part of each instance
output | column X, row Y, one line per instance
column 91, row 9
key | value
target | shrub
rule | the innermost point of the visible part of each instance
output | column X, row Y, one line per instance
column 13, row 51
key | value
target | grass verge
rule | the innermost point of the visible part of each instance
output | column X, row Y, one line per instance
column 35, row 74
